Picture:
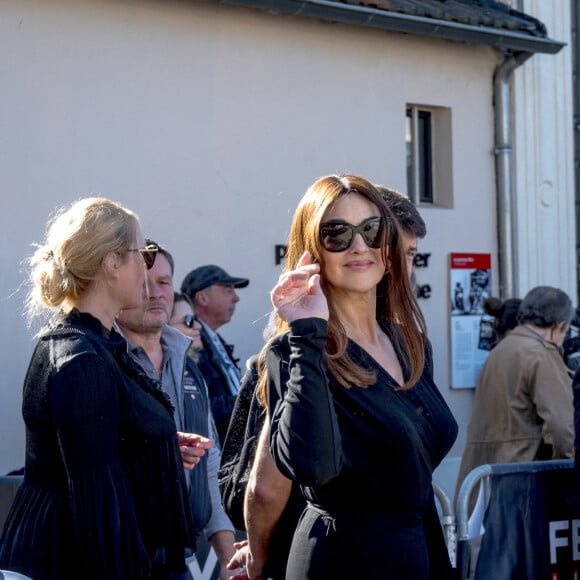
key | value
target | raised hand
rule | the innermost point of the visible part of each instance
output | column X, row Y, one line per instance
column 298, row 293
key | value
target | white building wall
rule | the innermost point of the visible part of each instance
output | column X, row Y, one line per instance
column 210, row 121
column 544, row 158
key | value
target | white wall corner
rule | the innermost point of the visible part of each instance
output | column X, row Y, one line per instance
column 544, row 159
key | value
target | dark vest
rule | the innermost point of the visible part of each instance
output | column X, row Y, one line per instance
column 195, row 418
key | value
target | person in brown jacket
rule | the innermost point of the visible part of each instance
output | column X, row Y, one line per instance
column 523, row 408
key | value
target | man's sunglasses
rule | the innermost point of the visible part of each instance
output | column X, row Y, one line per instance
column 149, row 254
column 338, row 236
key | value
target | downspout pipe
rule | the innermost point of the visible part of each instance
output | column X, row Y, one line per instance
column 504, row 174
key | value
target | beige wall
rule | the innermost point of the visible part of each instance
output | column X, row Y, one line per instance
column 210, row 121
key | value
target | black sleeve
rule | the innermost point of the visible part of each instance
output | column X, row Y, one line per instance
column 304, row 435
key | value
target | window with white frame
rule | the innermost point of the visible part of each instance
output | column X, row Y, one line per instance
column 429, row 163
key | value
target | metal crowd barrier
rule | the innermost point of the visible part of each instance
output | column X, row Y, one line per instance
column 447, row 519
column 526, row 522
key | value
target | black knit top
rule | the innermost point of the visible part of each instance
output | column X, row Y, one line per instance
column 103, row 494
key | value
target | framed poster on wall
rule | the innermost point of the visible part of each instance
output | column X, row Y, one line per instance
column 470, row 285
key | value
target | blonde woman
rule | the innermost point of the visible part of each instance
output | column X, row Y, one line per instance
column 103, row 494
column 355, row 417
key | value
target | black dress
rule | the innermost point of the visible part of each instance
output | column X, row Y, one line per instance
column 103, row 494
column 364, row 459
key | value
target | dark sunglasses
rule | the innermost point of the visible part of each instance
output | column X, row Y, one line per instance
column 338, row 236
column 189, row 319
column 149, row 254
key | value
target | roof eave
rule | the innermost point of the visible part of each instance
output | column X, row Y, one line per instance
column 406, row 23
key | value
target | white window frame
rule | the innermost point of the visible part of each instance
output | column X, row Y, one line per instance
column 429, row 164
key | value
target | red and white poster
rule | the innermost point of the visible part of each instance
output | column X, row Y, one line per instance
column 470, row 284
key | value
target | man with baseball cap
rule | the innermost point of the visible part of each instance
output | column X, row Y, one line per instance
column 212, row 291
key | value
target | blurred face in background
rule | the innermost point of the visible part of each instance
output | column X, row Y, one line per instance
column 410, row 250
column 183, row 319
column 216, row 304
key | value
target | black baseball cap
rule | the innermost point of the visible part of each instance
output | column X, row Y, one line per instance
column 206, row 276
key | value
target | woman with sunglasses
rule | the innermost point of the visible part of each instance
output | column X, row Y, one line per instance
column 355, row 417
column 183, row 318
column 103, row 494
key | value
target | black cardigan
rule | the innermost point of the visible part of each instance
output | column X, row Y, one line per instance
column 104, row 493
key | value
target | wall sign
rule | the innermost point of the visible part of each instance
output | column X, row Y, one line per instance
column 279, row 253
column 470, row 284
